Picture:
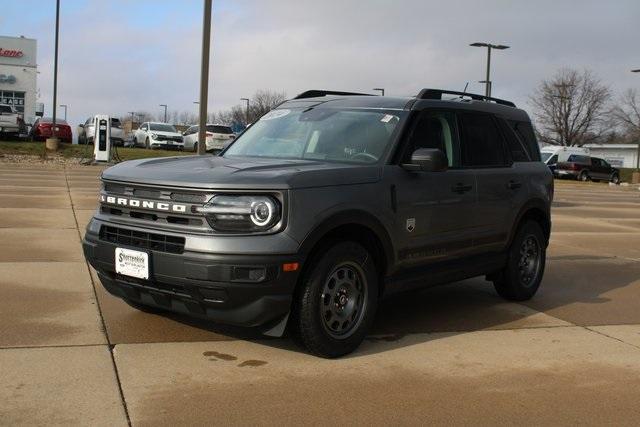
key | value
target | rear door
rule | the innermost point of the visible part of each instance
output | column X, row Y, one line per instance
column 498, row 184
column 433, row 215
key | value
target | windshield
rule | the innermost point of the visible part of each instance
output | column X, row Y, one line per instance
column 545, row 156
column 162, row 127
column 318, row 134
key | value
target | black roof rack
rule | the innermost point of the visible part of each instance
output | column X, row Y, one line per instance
column 314, row 93
column 437, row 94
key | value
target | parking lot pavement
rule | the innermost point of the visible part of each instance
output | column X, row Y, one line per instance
column 72, row 354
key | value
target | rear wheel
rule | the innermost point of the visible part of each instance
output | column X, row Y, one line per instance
column 337, row 300
column 521, row 277
column 584, row 176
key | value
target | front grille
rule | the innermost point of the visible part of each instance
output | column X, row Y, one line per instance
column 142, row 239
column 152, row 193
column 169, row 138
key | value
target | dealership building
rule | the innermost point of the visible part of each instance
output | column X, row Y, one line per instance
column 18, row 75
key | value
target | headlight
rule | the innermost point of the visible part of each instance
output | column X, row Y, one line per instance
column 242, row 213
column 154, row 135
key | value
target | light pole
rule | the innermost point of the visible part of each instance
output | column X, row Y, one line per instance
column 637, row 173
column 489, row 46
column 204, row 77
column 133, row 113
column 165, row 112
column 246, row 119
column 381, row 89
column 65, row 110
column 53, row 145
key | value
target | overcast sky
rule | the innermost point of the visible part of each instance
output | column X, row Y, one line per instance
column 118, row 56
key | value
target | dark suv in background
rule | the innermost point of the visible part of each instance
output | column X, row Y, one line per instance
column 324, row 206
column 587, row 168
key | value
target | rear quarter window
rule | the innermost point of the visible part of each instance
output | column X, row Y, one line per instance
column 524, row 130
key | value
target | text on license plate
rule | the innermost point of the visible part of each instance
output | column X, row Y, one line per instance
column 132, row 263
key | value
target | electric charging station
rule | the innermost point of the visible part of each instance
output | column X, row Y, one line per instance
column 102, row 138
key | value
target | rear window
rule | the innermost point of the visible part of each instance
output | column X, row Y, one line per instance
column 116, row 123
column 50, row 120
column 219, row 129
column 528, row 138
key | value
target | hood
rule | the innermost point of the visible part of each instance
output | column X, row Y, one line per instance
column 165, row 133
column 240, row 173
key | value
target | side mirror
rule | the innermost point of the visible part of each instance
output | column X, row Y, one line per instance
column 427, row 160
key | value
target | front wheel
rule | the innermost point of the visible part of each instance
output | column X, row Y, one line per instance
column 615, row 178
column 521, row 277
column 336, row 301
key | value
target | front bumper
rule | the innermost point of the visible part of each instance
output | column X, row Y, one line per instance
column 207, row 286
column 166, row 145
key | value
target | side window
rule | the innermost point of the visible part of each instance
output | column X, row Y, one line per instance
column 516, row 147
column 435, row 129
column 528, row 138
column 482, row 144
column 144, row 127
column 553, row 160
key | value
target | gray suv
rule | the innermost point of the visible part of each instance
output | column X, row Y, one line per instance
column 325, row 205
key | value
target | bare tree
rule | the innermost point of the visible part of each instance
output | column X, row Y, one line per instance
column 570, row 108
column 262, row 102
column 626, row 113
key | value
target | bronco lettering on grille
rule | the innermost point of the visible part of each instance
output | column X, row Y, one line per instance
column 145, row 204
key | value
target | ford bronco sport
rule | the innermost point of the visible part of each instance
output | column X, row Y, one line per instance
column 325, row 205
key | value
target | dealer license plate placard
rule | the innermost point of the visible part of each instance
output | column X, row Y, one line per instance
column 132, row 263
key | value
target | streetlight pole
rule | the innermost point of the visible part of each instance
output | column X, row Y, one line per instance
column 165, row 112
column 54, row 139
column 65, row 110
column 204, row 77
column 489, row 47
column 381, row 89
column 246, row 111
column 637, row 177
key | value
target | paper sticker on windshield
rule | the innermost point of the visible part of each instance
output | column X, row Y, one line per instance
column 387, row 118
column 275, row 114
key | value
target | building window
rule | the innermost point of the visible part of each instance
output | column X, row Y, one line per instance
column 10, row 97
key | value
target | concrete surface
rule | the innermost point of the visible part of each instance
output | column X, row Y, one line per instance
column 72, row 354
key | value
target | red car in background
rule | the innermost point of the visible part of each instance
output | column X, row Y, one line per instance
column 43, row 129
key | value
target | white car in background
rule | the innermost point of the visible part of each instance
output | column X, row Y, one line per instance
column 158, row 135
column 86, row 132
column 218, row 137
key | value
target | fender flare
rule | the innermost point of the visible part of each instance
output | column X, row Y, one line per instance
column 351, row 216
column 539, row 205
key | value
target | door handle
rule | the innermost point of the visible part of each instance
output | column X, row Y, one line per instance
column 512, row 185
column 461, row 188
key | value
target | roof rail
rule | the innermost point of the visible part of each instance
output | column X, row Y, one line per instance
column 314, row 93
column 437, row 94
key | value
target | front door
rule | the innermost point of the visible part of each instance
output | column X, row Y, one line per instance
column 434, row 209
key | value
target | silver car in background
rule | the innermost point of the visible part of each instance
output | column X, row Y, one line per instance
column 218, row 137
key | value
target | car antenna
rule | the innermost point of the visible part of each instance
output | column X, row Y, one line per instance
column 464, row 91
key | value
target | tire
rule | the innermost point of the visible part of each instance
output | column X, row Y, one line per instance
column 521, row 277
column 336, row 300
column 584, row 176
column 615, row 178
column 143, row 308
